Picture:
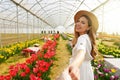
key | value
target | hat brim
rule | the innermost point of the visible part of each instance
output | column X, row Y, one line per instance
column 90, row 15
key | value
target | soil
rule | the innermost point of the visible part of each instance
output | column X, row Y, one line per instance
column 62, row 55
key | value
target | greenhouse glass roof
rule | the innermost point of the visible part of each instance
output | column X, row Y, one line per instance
column 52, row 12
column 49, row 14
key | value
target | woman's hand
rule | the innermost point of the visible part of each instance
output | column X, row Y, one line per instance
column 70, row 73
column 74, row 72
column 65, row 75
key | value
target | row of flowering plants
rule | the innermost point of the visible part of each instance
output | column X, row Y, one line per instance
column 6, row 52
column 102, row 72
column 37, row 67
column 56, row 36
column 109, row 50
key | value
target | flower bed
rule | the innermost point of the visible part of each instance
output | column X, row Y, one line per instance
column 109, row 50
column 11, row 50
column 37, row 67
column 102, row 72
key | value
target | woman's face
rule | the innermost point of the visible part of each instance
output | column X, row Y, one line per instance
column 82, row 25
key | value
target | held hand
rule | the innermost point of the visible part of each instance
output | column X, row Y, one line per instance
column 65, row 75
column 74, row 73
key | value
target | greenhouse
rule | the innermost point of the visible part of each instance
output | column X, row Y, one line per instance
column 38, row 39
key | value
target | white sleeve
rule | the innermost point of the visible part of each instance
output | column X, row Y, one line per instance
column 81, row 43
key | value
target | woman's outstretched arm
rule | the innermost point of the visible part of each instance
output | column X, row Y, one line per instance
column 74, row 66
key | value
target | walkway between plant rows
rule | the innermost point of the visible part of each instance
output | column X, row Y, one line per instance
column 62, row 55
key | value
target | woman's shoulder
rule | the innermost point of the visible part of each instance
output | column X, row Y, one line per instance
column 84, row 36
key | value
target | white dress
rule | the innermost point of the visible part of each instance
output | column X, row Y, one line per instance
column 83, row 43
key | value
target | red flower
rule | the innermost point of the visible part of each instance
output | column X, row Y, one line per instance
column 56, row 36
column 2, row 77
column 29, row 61
column 49, row 54
column 27, row 70
column 39, row 54
column 45, row 46
column 42, row 65
column 33, row 58
column 11, row 67
column 35, row 70
column 33, row 77
column 39, row 74
column 7, row 77
column 13, row 73
column 22, row 66
column 23, row 74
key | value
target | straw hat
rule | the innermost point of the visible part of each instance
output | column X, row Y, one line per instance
column 90, row 15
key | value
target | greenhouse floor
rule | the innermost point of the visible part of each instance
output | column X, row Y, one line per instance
column 62, row 55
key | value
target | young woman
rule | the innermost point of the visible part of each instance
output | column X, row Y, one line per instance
column 84, row 47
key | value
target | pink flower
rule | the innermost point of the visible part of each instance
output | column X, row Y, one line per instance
column 96, row 77
column 106, row 70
